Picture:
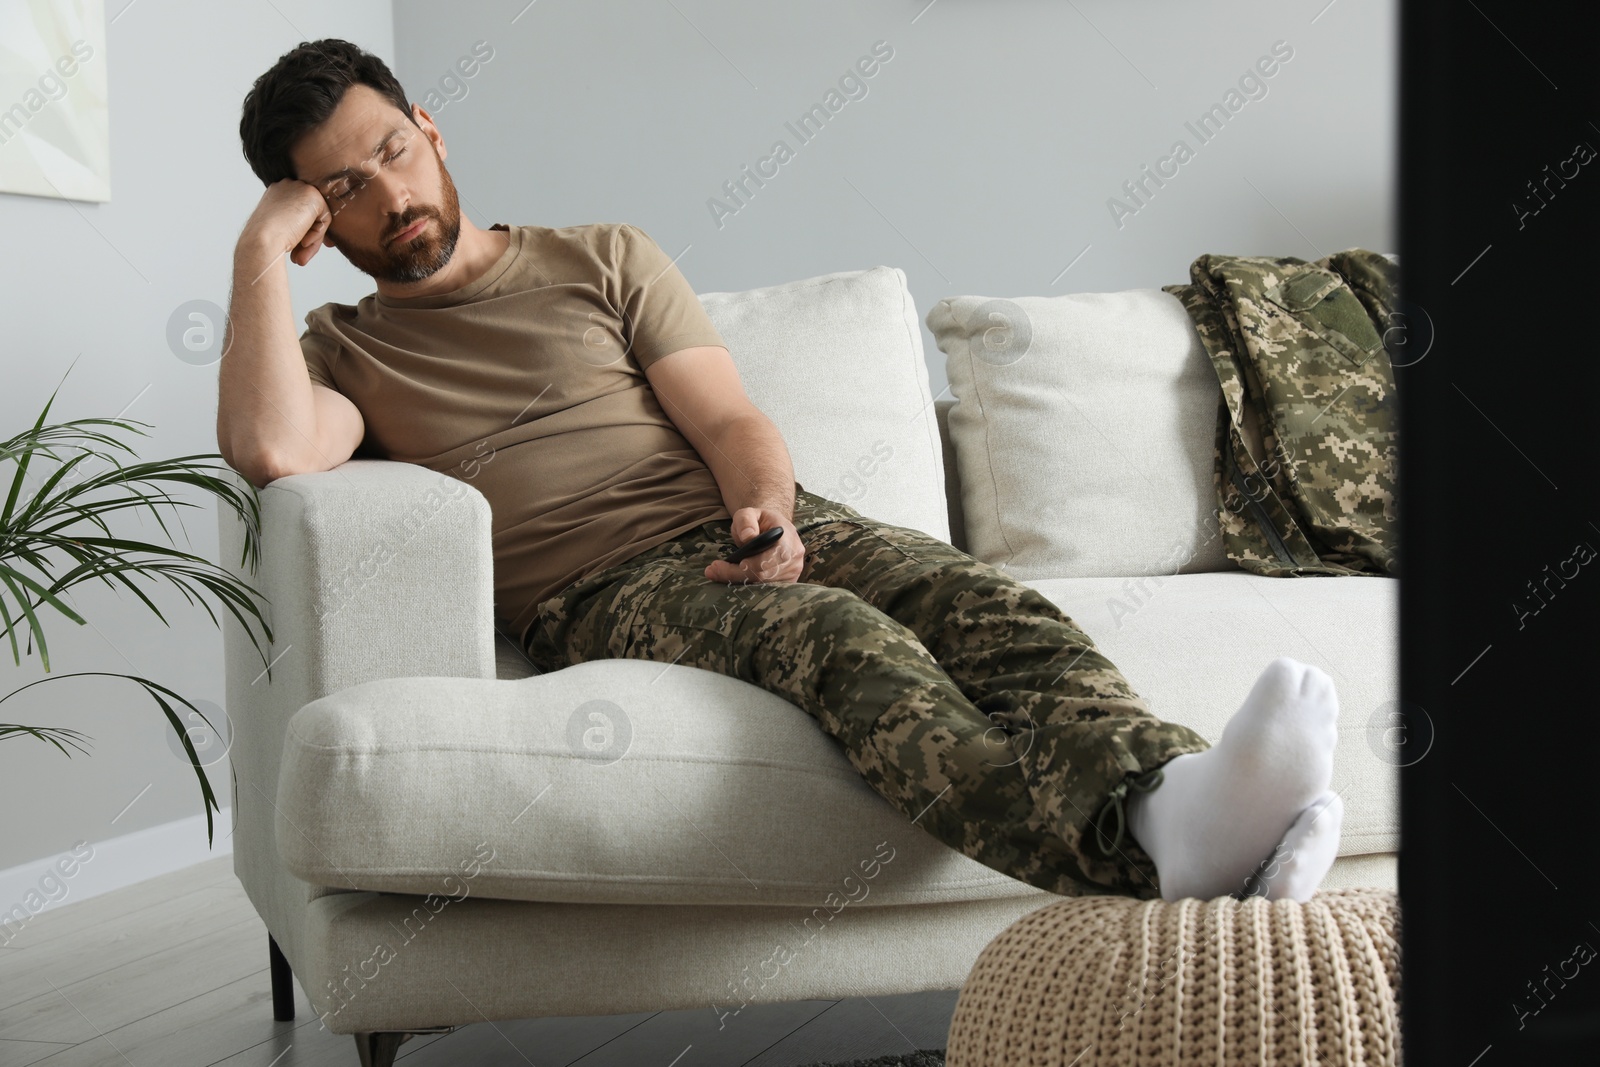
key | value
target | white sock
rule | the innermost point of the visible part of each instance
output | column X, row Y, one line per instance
column 1301, row 860
column 1252, row 814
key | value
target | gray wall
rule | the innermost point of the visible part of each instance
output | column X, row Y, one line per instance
column 980, row 160
column 97, row 283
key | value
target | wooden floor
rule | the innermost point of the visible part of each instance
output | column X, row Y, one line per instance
column 172, row 972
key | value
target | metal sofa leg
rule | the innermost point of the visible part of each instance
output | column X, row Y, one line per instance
column 282, row 983
column 378, row 1047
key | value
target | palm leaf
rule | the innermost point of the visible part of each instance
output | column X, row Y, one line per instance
column 207, row 797
column 37, row 530
column 52, row 734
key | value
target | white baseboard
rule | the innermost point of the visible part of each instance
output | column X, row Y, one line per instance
column 103, row 866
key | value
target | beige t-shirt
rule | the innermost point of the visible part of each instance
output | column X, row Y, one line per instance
column 528, row 383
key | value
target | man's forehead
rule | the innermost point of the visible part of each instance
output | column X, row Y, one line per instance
column 355, row 130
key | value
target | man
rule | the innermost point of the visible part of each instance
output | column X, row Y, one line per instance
column 573, row 377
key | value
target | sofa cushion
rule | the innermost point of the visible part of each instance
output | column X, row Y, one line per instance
column 836, row 363
column 1193, row 644
column 1084, row 430
column 952, row 475
column 705, row 790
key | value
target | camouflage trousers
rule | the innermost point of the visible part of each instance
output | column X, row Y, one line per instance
column 966, row 699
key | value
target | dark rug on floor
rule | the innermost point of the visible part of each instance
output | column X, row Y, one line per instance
column 925, row 1057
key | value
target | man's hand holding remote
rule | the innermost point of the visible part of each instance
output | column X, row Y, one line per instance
column 780, row 562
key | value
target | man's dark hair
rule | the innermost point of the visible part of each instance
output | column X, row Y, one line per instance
column 299, row 93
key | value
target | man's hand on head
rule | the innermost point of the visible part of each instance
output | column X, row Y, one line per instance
column 780, row 562
column 292, row 216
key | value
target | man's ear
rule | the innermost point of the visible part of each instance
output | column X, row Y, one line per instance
column 420, row 115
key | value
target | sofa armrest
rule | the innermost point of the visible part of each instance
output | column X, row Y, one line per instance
column 374, row 569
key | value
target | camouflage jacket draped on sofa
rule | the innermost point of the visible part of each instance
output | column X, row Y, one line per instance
column 1306, row 427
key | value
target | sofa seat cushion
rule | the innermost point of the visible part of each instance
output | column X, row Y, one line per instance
column 679, row 786
column 1193, row 644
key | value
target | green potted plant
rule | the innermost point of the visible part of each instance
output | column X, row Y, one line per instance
column 37, row 531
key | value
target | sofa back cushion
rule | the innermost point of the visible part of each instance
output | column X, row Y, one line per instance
column 1084, row 431
column 836, row 363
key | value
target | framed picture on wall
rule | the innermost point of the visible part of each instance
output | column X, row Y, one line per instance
column 55, row 137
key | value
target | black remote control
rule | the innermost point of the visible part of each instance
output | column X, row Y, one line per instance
column 757, row 543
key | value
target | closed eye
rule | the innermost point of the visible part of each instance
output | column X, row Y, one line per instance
column 346, row 192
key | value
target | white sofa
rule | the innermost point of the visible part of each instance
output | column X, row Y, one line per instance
column 434, row 834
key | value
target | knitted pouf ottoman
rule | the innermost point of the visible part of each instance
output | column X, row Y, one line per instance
column 1110, row 981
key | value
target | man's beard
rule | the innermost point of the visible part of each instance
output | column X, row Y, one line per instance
column 421, row 256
